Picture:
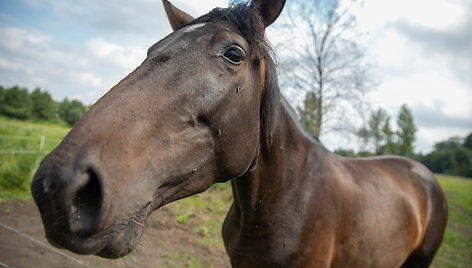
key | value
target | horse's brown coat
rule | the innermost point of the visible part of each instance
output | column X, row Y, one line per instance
column 193, row 114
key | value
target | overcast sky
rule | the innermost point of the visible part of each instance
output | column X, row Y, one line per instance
column 421, row 50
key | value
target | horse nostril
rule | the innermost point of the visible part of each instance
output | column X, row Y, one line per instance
column 86, row 206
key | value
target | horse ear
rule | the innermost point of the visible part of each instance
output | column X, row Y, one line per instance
column 269, row 9
column 177, row 17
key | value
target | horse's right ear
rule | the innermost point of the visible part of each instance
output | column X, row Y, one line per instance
column 177, row 17
column 269, row 9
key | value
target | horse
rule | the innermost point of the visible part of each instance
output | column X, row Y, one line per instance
column 205, row 107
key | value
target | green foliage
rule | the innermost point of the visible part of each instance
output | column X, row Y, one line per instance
column 38, row 106
column 43, row 106
column 2, row 96
column 310, row 114
column 379, row 133
column 468, row 142
column 351, row 153
column 451, row 143
column 16, row 103
column 450, row 159
column 71, row 111
column 390, row 147
column 346, row 153
column 406, row 132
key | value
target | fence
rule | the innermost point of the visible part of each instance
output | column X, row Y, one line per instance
column 40, row 151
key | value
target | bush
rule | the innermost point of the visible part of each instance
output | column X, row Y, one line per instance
column 71, row 111
column 20, row 104
column 43, row 106
column 16, row 103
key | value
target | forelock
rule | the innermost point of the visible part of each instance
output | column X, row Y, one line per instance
column 247, row 20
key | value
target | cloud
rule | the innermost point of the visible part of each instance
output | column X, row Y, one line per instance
column 135, row 23
column 117, row 55
column 32, row 59
column 433, row 116
column 450, row 47
column 83, row 48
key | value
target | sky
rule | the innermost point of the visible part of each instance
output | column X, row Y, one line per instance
column 421, row 51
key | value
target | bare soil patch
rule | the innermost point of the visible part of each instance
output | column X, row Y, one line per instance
column 165, row 243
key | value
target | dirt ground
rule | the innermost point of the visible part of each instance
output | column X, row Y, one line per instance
column 163, row 244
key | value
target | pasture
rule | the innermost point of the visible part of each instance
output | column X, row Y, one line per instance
column 186, row 233
column 20, row 153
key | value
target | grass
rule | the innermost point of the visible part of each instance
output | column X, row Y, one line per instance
column 456, row 248
column 206, row 213
column 17, row 168
column 177, row 260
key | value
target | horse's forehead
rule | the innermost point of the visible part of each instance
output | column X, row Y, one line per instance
column 194, row 27
column 184, row 38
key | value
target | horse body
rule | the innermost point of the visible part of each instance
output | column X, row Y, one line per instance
column 306, row 207
column 205, row 107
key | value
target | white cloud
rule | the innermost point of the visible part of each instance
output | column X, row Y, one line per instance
column 435, row 14
column 120, row 56
column 84, row 71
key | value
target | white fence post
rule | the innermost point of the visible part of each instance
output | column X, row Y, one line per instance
column 40, row 151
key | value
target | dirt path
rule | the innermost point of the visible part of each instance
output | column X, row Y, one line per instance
column 164, row 244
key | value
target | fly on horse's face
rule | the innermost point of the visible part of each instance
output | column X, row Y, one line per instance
column 188, row 117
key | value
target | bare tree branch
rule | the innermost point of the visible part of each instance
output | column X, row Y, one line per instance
column 325, row 64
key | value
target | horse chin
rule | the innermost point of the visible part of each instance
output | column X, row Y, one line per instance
column 128, row 236
column 123, row 243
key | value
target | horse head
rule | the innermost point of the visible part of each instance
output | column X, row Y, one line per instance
column 189, row 116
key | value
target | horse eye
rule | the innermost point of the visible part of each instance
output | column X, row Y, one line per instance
column 235, row 55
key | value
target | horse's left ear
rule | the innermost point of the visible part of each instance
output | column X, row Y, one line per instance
column 269, row 9
column 177, row 17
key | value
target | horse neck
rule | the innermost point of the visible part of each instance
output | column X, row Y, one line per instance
column 271, row 174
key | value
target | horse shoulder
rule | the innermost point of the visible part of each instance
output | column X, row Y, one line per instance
column 383, row 199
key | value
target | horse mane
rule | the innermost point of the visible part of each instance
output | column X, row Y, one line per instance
column 248, row 21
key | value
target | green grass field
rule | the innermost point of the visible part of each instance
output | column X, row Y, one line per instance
column 456, row 248
column 18, row 161
column 207, row 211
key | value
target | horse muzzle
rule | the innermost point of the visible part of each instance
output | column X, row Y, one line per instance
column 72, row 200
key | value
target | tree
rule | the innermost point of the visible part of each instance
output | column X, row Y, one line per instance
column 71, row 111
column 43, row 105
column 390, row 146
column 325, row 63
column 468, row 142
column 308, row 114
column 17, row 103
column 451, row 143
column 62, row 108
column 406, row 132
column 2, row 96
column 450, row 157
column 378, row 132
column 345, row 153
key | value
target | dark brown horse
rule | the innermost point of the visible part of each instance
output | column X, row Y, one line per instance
column 205, row 107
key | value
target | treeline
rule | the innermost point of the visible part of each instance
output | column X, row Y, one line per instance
column 19, row 103
column 382, row 139
column 453, row 156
